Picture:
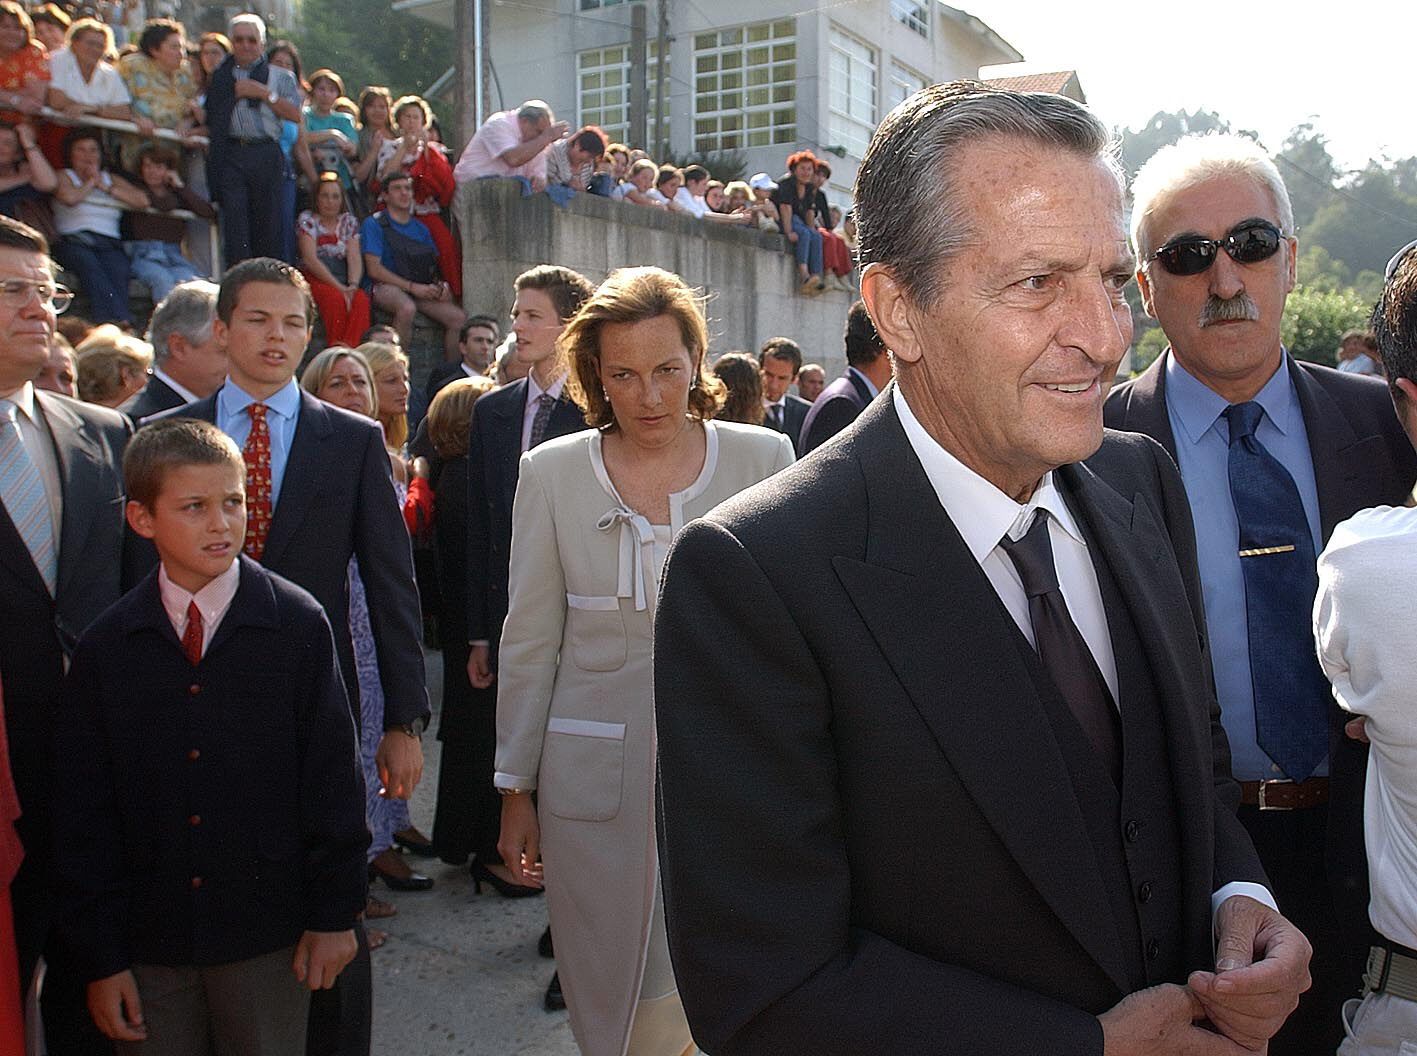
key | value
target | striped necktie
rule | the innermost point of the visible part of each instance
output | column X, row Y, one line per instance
column 22, row 492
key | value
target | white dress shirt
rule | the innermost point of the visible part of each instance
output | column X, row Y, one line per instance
column 533, row 394
column 1365, row 622
column 213, row 601
column 188, row 396
column 983, row 515
column 35, row 434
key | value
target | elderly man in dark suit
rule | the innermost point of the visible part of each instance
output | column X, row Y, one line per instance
column 319, row 492
column 868, row 370
column 951, row 777
column 61, row 548
column 189, row 362
column 1273, row 454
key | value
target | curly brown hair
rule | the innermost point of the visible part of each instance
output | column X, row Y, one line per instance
column 632, row 295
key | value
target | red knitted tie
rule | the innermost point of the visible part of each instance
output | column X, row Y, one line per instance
column 192, row 636
column 257, row 454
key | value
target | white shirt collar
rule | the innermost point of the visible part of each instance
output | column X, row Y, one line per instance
column 176, row 386
column 871, row 385
column 781, row 401
column 534, row 391
column 23, row 398
column 212, row 600
column 981, row 512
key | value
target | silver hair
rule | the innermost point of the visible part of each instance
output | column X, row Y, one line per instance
column 908, row 217
column 188, row 310
column 1193, row 160
column 535, row 110
column 249, row 19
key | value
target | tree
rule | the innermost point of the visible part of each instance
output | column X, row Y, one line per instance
column 1152, row 343
column 1309, row 172
column 1315, row 319
column 1165, row 128
column 1368, row 222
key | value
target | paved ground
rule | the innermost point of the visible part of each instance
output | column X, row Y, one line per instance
column 460, row 975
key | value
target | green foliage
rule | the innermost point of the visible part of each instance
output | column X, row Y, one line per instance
column 367, row 43
column 1309, row 172
column 1314, row 319
column 1151, row 344
column 1370, row 221
column 1139, row 144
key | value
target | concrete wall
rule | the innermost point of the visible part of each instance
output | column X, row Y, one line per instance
column 750, row 279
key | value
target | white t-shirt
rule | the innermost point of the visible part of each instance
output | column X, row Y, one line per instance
column 105, row 89
column 1365, row 623
column 686, row 201
column 99, row 212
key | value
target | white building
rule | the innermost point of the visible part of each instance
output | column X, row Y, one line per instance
column 763, row 76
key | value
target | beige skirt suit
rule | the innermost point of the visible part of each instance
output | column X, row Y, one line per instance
column 575, row 719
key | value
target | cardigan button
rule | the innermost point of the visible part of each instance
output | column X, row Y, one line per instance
column 193, row 755
column 196, row 882
column 194, row 820
column 193, row 689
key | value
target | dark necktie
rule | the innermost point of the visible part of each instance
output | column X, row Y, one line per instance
column 775, row 416
column 192, row 636
column 1061, row 646
column 544, row 404
column 1278, row 562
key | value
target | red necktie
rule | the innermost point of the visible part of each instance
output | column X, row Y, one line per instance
column 257, row 455
column 192, row 636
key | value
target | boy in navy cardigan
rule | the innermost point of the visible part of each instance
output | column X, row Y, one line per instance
column 209, row 807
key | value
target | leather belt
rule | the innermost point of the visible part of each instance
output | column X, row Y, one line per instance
column 1284, row 795
column 249, row 141
column 1391, row 971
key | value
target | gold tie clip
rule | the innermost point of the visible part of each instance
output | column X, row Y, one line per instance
column 1261, row 551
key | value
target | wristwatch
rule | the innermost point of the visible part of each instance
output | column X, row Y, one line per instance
column 414, row 729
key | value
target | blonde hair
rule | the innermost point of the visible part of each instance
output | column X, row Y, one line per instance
column 104, row 357
column 417, row 101
column 317, row 372
column 632, row 295
column 380, row 356
column 450, row 414
column 91, row 25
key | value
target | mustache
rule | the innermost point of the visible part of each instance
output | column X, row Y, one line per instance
column 1229, row 309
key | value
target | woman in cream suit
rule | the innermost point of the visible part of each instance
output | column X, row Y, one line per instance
column 592, row 523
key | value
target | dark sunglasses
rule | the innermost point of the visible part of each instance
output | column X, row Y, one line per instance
column 1247, row 243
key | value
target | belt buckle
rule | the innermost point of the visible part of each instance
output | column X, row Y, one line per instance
column 1264, row 784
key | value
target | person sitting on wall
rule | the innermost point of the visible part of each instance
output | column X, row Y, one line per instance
column 512, row 143
column 572, row 161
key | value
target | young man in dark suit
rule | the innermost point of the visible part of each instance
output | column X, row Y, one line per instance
column 949, row 776
column 189, row 363
column 320, row 492
column 868, row 370
column 210, row 809
column 61, row 557
column 506, row 423
column 1273, row 452
column 779, row 360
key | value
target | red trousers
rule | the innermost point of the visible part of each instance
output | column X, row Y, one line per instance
column 836, row 258
column 343, row 326
column 12, row 1021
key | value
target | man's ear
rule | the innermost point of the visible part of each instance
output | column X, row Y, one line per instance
column 891, row 311
column 140, row 519
column 1406, row 403
column 1144, row 288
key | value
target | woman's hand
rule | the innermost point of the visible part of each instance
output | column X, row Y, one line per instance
column 792, row 237
column 348, row 292
column 520, row 842
column 145, row 124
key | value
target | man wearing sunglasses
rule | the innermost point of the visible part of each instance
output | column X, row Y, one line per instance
column 61, row 543
column 1273, row 453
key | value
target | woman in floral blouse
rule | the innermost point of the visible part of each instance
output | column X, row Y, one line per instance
column 161, row 83
column 24, row 65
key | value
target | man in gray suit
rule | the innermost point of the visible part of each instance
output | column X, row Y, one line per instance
column 61, row 549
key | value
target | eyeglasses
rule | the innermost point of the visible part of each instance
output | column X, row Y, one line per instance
column 1247, row 243
column 16, row 293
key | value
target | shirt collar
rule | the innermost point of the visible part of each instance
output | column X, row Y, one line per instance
column 870, row 385
column 1198, row 407
column 233, row 399
column 23, row 398
column 981, row 513
column 534, row 391
column 781, row 401
column 175, row 385
column 212, row 600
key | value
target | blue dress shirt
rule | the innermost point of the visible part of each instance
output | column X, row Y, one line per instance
column 1202, row 450
column 282, row 413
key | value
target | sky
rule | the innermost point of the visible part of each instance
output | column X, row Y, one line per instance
column 1261, row 65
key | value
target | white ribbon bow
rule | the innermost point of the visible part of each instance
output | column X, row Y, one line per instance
column 634, row 529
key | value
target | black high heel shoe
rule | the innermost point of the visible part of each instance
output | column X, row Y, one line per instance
column 409, row 882
column 505, row 888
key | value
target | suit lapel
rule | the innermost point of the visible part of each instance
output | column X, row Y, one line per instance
column 1146, row 406
column 1342, row 459
column 79, row 460
column 310, row 454
column 959, row 669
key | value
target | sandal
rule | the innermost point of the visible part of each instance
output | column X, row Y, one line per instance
column 378, row 909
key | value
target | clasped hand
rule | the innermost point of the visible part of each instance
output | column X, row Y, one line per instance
column 1262, row 966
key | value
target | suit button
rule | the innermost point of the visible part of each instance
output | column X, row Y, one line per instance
column 1133, row 830
column 196, row 882
column 194, row 820
column 193, row 689
column 193, row 755
column 1144, row 892
column 1152, row 949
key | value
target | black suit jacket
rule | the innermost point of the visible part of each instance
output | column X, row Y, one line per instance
column 337, row 501
column 794, row 413
column 269, row 813
column 156, row 397
column 493, row 461
column 834, row 409
column 868, row 836
column 1362, row 458
column 38, row 632
column 442, row 374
